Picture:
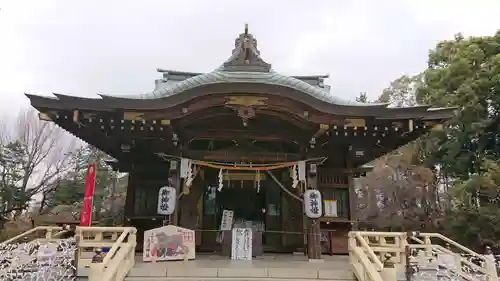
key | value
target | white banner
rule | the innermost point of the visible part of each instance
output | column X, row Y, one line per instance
column 241, row 244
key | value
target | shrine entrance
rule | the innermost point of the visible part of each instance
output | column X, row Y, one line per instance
column 256, row 202
column 243, row 112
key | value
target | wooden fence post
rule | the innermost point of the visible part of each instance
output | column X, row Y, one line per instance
column 389, row 272
column 490, row 265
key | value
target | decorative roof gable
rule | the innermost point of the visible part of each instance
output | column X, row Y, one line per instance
column 246, row 56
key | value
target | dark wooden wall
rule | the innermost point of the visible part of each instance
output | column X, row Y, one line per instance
column 333, row 183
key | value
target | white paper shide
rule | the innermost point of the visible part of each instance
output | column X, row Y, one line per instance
column 241, row 244
column 167, row 197
column 313, row 204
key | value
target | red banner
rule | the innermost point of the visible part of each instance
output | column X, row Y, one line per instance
column 88, row 197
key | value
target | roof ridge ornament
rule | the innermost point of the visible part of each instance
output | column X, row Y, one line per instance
column 246, row 45
column 246, row 56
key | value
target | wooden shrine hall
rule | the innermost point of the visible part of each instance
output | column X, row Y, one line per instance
column 245, row 127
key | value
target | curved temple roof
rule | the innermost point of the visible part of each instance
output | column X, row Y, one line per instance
column 270, row 78
column 244, row 66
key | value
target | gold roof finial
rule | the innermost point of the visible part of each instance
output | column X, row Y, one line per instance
column 246, row 29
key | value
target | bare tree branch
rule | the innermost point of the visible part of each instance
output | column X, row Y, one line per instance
column 398, row 193
column 36, row 156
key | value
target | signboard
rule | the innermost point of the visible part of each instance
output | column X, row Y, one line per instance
column 227, row 220
column 169, row 243
column 241, row 244
column 330, row 208
column 88, row 196
column 167, row 198
column 313, row 206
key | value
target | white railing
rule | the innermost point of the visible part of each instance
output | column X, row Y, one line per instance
column 417, row 254
column 366, row 264
column 117, row 262
column 47, row 233
column 458, row 259
column 114, row 266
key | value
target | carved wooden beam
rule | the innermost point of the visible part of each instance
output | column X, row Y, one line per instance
column 227, row 134
column 245, row 157
column 323, row 128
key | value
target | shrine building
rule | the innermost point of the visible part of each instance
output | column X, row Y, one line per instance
column 251, row 135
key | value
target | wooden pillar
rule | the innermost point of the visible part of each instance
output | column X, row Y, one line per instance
column 175, row 180
column 352, row 179
column 305, row 221
column 130, row 197
column 352, row 200
column 314, row 233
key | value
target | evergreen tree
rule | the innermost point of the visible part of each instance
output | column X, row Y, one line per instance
column 465, row 73
column 362, row 98
column 71, row 191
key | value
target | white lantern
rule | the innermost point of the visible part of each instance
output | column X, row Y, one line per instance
column 313, row 205
column 167, row 199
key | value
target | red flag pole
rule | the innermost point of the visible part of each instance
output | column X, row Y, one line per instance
column 88, row 196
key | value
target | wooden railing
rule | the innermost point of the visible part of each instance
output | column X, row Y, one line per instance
column 40, row 233
column 462, row 261
column 117, row 262
column 26, row 260
column 367, row 266
column 414, row 252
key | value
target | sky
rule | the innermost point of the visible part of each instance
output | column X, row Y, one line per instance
column 114, row 47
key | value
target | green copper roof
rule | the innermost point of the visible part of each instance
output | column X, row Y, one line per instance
column 245, row 65
column 270, row 78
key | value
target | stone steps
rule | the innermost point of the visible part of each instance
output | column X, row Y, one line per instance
column 220, row 279
column 209, row 268
column 229, row 274
column 248, row 273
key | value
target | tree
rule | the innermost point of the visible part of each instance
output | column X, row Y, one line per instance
column 362, row 98
column 108, row 194
column 465, row 73
column 35, row 157
column 402, row 91
column 401, row 191
column 398, row 194
column 475, row 207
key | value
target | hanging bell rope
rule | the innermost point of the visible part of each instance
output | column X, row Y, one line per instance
column 283, row 187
